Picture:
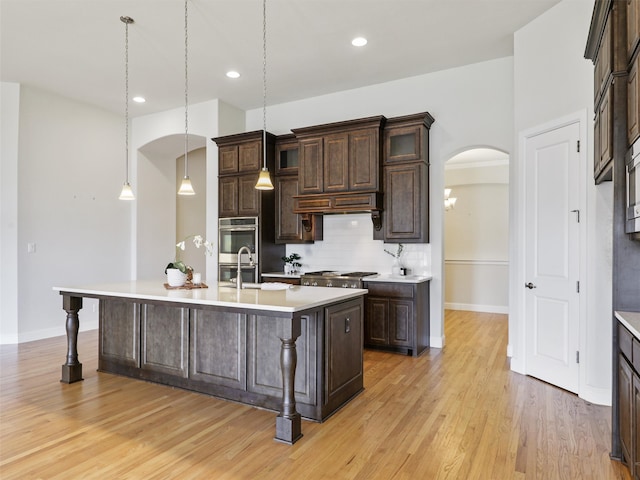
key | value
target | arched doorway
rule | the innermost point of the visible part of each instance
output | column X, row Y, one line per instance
column 476, row 231
column 162, row 217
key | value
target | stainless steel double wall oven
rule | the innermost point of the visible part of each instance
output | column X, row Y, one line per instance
column 234, row 233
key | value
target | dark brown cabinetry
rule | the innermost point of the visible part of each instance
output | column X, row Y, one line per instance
column 609, row 37
column 290, row 227
column 607, row 48
column 119, row 342
column 240, row 161
column 633, row 26
column 629, row 399
column 406, row 179
column 340, row 157
column 235, row 354
column 397, row 317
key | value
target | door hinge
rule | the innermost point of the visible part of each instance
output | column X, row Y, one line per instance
column 578, row 146
column 577, row 356
column 578, row 286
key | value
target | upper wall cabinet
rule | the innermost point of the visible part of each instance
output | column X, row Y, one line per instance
column 340, row 157
column 240, row 161
column 608, row 47
column 633, row 26
column 291, row 227
column 406, row 179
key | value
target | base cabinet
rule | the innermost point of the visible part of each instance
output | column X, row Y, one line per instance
column 397, row 317
column 629, row 399
column 236, row 355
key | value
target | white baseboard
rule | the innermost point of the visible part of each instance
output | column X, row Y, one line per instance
column 49, row 332
column 599, row 396
column 477, row 308
column 436, row 342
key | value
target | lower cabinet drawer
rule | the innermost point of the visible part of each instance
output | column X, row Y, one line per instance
column 395, row 290
column 625, row 341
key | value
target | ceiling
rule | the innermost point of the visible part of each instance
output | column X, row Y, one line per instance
column 75, row 48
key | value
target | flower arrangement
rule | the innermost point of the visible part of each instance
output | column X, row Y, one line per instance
column 398, row 253
column 291, row 263
column 198, row 241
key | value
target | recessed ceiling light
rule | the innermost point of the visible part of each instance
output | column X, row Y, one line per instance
column 139, row 99
column 233, row 74
column 359, row 42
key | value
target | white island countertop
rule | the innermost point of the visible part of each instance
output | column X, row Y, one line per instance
column 293, row 299
column 631, row 320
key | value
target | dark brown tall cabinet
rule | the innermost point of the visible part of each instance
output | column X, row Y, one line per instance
column 613, row 45
column 240, row 158
column 406, row 179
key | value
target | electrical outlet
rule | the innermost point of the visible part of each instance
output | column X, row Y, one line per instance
column 31, row 247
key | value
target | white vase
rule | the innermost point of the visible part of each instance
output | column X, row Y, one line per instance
column 395, row 269
column 175, row 278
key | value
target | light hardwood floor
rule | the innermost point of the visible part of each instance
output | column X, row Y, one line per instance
column 455, row 413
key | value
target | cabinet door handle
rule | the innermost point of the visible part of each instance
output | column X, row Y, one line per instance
column 347, row 325
column 529, row 285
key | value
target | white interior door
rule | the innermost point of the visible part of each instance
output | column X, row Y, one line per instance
column 552, row 256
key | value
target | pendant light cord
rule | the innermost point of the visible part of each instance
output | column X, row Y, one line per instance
column 264, row 83
column 186, row 88
column 126, row 21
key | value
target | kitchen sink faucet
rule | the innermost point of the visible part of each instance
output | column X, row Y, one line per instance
column 239, row 274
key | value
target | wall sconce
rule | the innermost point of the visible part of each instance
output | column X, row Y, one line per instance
column 449, row 202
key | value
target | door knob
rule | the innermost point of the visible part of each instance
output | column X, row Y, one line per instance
column 529, row 285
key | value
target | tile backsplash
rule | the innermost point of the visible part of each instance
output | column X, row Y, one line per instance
column 348, row 245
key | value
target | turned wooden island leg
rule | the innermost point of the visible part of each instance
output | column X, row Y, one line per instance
column 288, row 422
column 72, row 369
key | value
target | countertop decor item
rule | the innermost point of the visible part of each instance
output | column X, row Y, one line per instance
column 291, row 264
column 397, row 266
column 179, row 273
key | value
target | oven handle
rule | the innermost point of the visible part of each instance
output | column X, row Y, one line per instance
column 238, row 229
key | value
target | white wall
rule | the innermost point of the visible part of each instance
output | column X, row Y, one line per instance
column 70, row 172
column 553, row 80
column 191, row 210
column 9, row 119
column 472, row 106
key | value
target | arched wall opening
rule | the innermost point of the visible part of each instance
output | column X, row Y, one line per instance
column 476, row 231
column 163, row 217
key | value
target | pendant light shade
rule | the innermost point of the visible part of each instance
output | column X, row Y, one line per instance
column 185, row 187
column 127, row 192
column 264, row 180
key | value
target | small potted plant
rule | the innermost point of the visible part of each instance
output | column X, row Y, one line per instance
column 178, row 273
column 291, row 264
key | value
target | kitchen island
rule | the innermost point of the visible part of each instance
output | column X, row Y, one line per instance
column 297, row 351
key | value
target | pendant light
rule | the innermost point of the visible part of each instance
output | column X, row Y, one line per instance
column 264, row 180
column 127, row 192
column 185, row 187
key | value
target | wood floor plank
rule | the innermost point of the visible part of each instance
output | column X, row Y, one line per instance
column 452, row 413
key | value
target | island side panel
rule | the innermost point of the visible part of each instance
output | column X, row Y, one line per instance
column 119, row 333
column 164, row 339
column 264, row 373
column 343, row 359
column 218, row 348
